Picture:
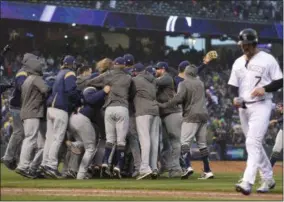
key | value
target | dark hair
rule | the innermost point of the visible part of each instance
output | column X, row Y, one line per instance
column 83, row 69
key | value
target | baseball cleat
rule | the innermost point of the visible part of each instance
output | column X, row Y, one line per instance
column 54, row 173
column 189, row 171
column 206, row 175
column 116, row 173
column 24, row 173
column 96, row 171
column 154, row 175
column 105, row 171
column 135, row 174
column 11, row 165
column 72, row 174
column 143, row 175
column 266, row 185
column 244, row 187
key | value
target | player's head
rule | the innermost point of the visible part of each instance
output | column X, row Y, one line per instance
column 129, row 60
column 190, row 71
column 182, row 66
column 85, row 71
column 104, row 65
column 161, row 68
column 119, row 63
column 68, row 62
column 248, row 40
column 138, row 68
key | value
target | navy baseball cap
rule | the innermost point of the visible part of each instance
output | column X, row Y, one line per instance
column 139, row 67
column 151, row 69
column 129, row 59
column 69, row 60
column 183, row 65
column 162, row 65
column 119, row 61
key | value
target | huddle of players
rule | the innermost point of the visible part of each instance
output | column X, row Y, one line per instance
column 137, row 104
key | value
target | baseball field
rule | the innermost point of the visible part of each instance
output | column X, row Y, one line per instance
column 15, row 187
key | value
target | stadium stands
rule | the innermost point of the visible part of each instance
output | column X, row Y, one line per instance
column 247, row 10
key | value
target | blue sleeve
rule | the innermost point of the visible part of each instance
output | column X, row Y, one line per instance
column 19, row 82
column 92, row 97
column 71, row 87
column 200, row 68
column 94, row 75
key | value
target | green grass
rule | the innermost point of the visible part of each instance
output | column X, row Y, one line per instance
column 222, row 183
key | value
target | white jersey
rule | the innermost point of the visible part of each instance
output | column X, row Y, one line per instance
column 261, row 70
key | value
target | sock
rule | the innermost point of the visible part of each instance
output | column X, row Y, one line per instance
column 120, row 156
column 108, row 149
column 204, row 155
column 274, row 157
column 185, row 151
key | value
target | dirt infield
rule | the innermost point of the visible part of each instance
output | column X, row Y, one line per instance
column 138, row 193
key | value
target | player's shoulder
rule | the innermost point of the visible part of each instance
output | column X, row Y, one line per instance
column 239, row 62
column 262, row 55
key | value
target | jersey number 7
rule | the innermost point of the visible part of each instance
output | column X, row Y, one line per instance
column 259, row 79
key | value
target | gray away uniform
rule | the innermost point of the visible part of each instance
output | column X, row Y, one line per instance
column 34, row 92
column 116, row 113
column 147, row 120
column 191, row 95
column 171, row 120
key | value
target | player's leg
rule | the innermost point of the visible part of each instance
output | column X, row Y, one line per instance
column 165, row 150
column 188, row 131
column 31, row 128
column 173, row 125
column 201, row 139
column 277, row 148
column 122, row 126
column 34, row 166
column 60, row 122
column 133, row 141
column 143, row 128
column 154, row 149
column 87, row 133
column 259, row 114
column 15, row 141
column 110, row 140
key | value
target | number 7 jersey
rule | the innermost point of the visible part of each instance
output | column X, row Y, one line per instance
column 259, row 71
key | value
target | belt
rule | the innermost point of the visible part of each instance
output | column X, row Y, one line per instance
column 251, row 102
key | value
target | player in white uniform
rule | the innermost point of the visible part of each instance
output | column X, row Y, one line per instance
column 254, row 76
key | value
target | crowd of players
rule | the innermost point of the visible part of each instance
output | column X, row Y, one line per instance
column 68, row 111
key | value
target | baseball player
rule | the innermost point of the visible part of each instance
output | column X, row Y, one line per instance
column 15, row 141
column 34, row 92
column 61, row 103
column 255, row 75
column 116, row 112
column 191, row 94
column 171, row 119
column 211, row 55
column 147, row 119
column 278, row 146
column 81, row 126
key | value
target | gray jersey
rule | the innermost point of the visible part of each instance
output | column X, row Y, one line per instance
column 191, row 95
column 166, row 91
column 144, row 91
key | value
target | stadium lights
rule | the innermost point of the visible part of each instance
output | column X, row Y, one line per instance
column 73, row 24
column 34, row 15
column 65, row 36
column 86, row 37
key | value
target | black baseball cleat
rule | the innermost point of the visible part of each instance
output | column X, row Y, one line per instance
column 25, row 173
column 154, row 175
column 105, row 171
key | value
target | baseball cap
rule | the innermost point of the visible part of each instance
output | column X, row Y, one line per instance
column 119, row 61
column 68, row 60
column 183, row 65
column 139, row 67
column 162, row 65
column 190, row 70
column 150, row 69
column 129, row 59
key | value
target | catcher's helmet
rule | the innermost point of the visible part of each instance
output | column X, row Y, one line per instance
column 248, row 36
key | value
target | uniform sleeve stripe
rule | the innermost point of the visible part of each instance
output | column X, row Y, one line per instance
column 69, row 74
column 21, row 74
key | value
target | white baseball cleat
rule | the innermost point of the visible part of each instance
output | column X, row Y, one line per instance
column 188, row 172
column 206, row 175
column 266, row 185
column 244, row 187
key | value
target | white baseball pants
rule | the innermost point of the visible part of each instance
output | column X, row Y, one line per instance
column 57, row 121
column 148, row 133
column 254, row 122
